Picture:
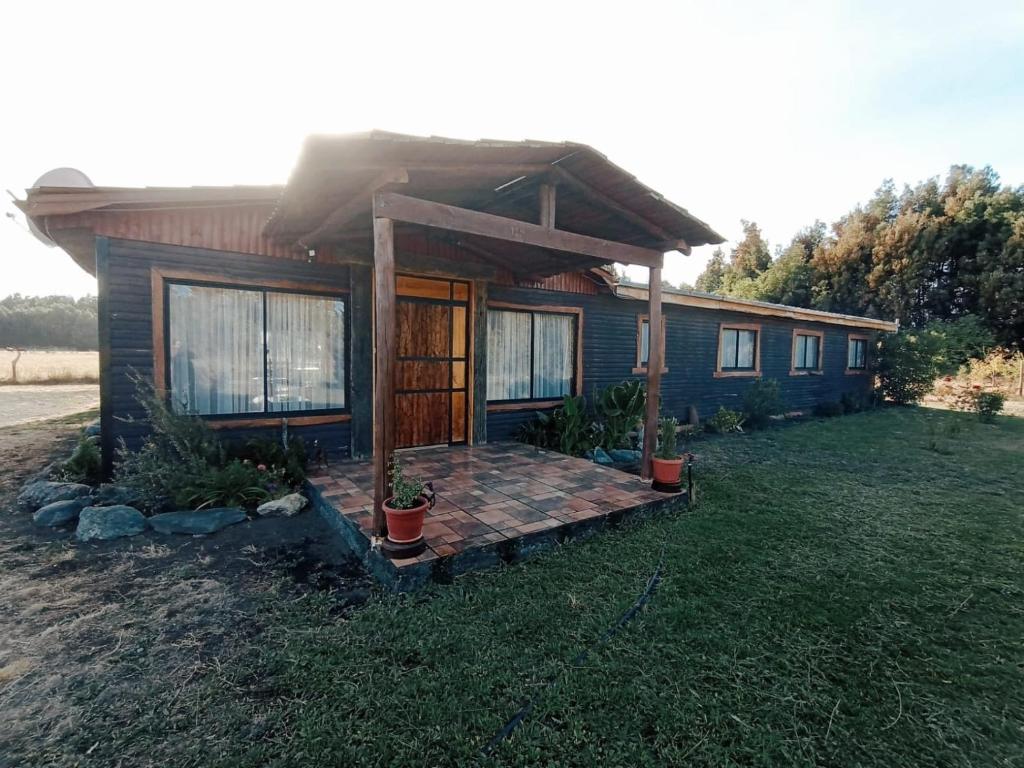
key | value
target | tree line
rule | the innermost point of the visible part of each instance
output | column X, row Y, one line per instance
column 61, row 322
column 943, row 250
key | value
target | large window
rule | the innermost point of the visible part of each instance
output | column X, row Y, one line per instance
column 806, row 351
column 738, row 349
column 245, row 351
column 531, row 355
column 857, row 354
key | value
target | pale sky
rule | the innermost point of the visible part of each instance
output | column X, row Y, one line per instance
column 782, row 113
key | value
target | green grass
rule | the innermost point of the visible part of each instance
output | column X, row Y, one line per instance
column 847, row 592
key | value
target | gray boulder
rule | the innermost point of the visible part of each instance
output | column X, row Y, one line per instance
column 105, row 523
column 288, row 506
column 116, row 495
column 42, row 492
column 623, row 456
column 93, row 430
column 58, row 513
column 599, row 456
column 200, row 521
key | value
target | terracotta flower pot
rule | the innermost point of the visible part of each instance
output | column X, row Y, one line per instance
column 667, row 471
column 405, row 525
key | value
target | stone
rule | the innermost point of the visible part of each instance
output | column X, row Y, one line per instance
column 116, row 495
column 93, row 430
column 105, row 523
column 195, row 522
column 58, row 513
column 42, row 492
column 289, row 505
column 624, row 456
column 598, row 456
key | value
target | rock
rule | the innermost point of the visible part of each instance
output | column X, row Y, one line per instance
column 288, row 506
column 58, row 513
column 43, row 492
column 624, row 456
column 93, row 430
column 198, row 521
column 105, row 523
column 116, row 495
column 598, row 456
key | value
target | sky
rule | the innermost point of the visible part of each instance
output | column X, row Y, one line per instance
column 780, row 113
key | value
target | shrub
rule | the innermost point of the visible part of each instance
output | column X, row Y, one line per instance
column 855, row 402
column 667, row 427
column 270, row 453
column 906, row 365
column 958, row 341
column 828, row 409
column 619, row 410
column 761, row 401
column 567, row 429
column 986, row 404
column 725, row 421
column 85, row 465
column 237, row 484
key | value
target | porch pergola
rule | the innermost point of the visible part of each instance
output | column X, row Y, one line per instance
column 534, row 209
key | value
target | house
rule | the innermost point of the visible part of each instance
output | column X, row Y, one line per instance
column 402, row 291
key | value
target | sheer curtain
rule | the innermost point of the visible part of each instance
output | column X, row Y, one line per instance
column 508, row 355
column 305, row 352
column 552, row 355
column 215, row 337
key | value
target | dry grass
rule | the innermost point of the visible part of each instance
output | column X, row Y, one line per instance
column 38, row 366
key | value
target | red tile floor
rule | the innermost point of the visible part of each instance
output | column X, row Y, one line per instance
column 490, row 493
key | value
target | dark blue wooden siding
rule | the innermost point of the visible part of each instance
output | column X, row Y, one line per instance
column 129, row 327
column 691, row 352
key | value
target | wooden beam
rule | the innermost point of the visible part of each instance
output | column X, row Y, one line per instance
column 670, row 242
column 358, row 205
column 654, row 366
column 430, row 214
column 547, row 205
column 385, row 349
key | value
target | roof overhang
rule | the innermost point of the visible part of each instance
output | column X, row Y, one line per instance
column 723, row 303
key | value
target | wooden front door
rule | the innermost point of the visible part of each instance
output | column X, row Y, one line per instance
column 432, row 366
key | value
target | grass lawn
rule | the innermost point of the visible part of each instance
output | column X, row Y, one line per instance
column 847, row 592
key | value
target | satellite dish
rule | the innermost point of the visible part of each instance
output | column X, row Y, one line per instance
column 58, row 177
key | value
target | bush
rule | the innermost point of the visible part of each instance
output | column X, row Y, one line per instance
column 906, row 365
column 270, row 453
column 828, row 409
column 619, row 410
column 667, row 450
column 726, row 421
column 958, row 341
column 85, row 465
column 761, row 401
column 986, row 404
column 237, row 484
column 855, row 402
column 567, row 429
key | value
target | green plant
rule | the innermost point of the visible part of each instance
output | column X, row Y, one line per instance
column 986, row 404
column 761, row 401
column 906, row 365
column 620, row 410
column 725, row 421
column 855, row 402
column 237, row 484
column 290, row 460
column 405, row 491
column 572, row 427
column 667, row 436
column 85, row 465
column 829, row 409
column 538, row 431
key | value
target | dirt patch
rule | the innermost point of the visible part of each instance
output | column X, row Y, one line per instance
column 82, row 624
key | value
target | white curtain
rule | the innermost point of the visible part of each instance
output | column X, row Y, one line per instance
column 746, row 344
column 645, row 342
column 508, row 355
column 856, row 355
column 216, row 350
column 806, row 352
column 552, row 355
column 305, row 352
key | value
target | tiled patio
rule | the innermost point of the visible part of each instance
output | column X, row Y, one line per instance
column 494, row 503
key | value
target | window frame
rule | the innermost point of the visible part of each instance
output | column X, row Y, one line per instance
column 576, row 386
column 162, row 280
column 640, row 366
column 723, row 372
column 817, row 370
column 867, row 346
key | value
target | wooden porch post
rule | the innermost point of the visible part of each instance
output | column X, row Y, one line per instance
column 654, row 366
column 384, row 365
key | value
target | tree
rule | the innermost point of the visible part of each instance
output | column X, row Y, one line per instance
column 751, row 256
column 48, row 321
column 710, row 280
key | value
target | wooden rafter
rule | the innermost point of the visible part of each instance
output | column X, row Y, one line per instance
column 358, row 205
column 430, row 214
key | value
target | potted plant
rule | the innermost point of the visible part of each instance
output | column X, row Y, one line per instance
column 667, row 464
column 406, row 507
